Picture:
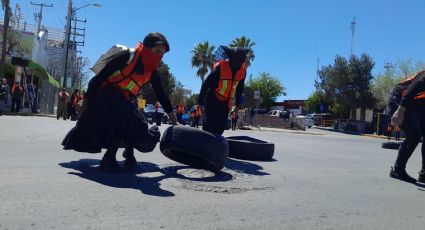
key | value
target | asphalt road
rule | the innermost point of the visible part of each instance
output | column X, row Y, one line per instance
column 319, row 180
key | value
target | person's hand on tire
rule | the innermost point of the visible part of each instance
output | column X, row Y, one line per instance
column 172, row 118
column 398, row 116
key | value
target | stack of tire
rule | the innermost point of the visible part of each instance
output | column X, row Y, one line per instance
column 201, row 149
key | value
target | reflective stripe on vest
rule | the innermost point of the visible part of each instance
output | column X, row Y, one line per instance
column 409, row 81
column 127, row 78
column 227, row 84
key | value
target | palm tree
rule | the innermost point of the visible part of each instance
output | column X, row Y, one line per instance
column 246, row 43
column 203, row 58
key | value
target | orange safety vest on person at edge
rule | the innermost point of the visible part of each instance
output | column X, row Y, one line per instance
column 227, row 83
column 127, row 78
column 409, row 81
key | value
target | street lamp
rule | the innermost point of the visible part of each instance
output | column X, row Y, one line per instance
column 71, row 14
column 90, row 4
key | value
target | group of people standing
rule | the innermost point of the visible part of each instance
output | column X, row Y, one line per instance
column 69, row 107
column 16, row 93
column 193, row 116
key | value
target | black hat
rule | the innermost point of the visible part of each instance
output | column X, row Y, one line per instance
column 154, row 39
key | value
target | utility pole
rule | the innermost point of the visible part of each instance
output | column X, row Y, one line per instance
column 18, row 16
column 353, row 29
column 5, row 28
column 65, row 45
column 388, row 66
column 75, row 43
column 40, row 15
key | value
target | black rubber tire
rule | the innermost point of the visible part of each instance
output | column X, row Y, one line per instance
column 248, row 148
column 391, row 145
column 194, row 147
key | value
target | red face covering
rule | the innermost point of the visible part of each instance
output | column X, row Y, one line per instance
column 150, row 59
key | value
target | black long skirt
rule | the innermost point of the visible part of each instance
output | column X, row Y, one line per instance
column 108, row 119
column 215, row 115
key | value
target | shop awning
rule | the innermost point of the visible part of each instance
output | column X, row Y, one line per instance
column 43, row 73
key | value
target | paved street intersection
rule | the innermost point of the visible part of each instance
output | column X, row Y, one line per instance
column 319, row 180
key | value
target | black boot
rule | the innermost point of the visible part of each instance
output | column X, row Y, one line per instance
column 401, row 174
column 421, row 178
column 109, row 162
column 130, row 160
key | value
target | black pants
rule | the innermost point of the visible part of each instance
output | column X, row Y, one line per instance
column 414, row 128
column 16, row 105
column 179, row 118
column 196, row 121
column 216, row 114
column 234, row 122
column 158, row 118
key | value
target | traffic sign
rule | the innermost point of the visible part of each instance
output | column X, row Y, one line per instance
column 257, row 94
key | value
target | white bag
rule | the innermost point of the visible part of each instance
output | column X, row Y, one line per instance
column 106, row 57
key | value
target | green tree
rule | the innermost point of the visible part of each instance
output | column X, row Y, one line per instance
column 191, row 101
column 167, row 81
column 203, row 59
column 347, row 83
column 408, row 67
column 313, row 102
column 382, row 85
column 246, row 43
column 180, row 94
column 270, row 88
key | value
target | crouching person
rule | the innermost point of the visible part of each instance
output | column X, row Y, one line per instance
column 110, row 117
column 223, row 84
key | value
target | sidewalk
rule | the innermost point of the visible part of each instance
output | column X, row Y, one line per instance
column 259, row 128
column 28, row 114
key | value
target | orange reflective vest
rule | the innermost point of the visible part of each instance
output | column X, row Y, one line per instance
column 409, row 81
column 127, row 78
column 180, row 109
column 198, row 112
column 389, row 128
column 228, row 81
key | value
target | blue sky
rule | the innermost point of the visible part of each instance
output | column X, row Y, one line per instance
column 289, row 34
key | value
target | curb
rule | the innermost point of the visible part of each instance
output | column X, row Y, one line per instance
column 27, row 114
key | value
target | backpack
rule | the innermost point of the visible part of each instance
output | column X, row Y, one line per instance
column 105, row 58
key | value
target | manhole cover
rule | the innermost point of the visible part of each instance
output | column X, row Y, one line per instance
column 228, row 181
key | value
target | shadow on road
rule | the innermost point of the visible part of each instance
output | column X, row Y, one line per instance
column 245, row 167
column 89, row 169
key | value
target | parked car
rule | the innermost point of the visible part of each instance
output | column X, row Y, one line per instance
column 260, row 111
column 319, row 117
column 274, row 113
column 309, row 122
column 149, row 112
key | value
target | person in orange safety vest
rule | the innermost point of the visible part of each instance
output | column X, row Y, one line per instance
column 410, row 116
column 110, row 118
column 222, row 88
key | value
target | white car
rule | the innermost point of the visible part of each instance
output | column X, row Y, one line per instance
column 274, row 113
column 309, row 122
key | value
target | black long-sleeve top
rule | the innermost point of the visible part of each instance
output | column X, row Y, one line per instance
column 417, row 86
column 211, row 83
column 118, row 62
